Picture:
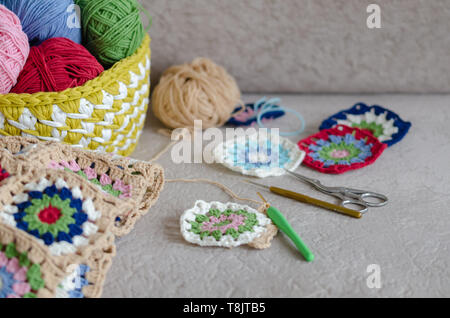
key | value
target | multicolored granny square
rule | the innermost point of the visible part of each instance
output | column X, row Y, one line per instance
column 259, row 156
column 341, row 149
column 67, row 215
column 19, row 277
column 226, row 225
column 68, row 205
column 86, row 280
column 384, row 124
column 117, row 177
column 153, row 174
column 55, row 214
column 116, row 187
column 26, row 269
column 72, row 286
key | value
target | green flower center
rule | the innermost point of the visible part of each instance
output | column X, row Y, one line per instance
column 231, row 222
column 376, row 129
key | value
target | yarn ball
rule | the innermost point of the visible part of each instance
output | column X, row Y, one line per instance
column 201, row 90
column 112, row 29
column 14, row 49
column 46, row 19
column 55, row 65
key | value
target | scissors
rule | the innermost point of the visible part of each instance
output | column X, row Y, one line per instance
column 348, row 196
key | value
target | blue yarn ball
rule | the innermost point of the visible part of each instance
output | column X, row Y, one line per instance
column 45, row 19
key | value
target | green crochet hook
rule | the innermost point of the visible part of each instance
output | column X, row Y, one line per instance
column 280, row 221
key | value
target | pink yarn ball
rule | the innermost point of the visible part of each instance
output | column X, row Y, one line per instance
column 14, row 49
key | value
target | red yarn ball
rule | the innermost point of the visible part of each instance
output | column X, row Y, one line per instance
column 55, row 65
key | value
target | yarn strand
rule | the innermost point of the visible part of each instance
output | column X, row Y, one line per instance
column 167, row 133
column 220, row 186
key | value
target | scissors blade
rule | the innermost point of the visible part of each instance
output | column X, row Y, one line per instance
column 316, row 184
column 345, row 194
column 257, row 184
column 311, row 181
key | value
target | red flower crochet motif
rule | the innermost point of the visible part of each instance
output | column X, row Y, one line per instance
column 341, row 149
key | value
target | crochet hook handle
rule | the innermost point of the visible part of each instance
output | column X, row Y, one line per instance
column 280, row 221
column 305, row 199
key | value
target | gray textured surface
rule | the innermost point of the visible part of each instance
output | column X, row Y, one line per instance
column 409, row 238
column 309, row 45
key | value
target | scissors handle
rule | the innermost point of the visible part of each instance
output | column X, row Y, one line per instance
column 361, row 195
column 357, row 205
column 348, row 196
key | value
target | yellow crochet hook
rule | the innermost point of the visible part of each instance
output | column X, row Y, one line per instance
column 306, row 199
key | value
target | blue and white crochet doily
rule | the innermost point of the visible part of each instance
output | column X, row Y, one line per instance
column 259, row 156
column 384, row 124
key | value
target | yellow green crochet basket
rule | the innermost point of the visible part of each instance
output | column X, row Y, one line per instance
column 105, row 114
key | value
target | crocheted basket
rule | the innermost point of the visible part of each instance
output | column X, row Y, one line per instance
column 106, row 114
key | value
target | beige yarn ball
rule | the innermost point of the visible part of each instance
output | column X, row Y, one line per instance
column 201, row 90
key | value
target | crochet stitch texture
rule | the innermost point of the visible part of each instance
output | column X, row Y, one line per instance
column 69, row 204
column 341, row 149
column 384, row 124
column 226, row 225
column 259, row 156
column 106, row 114
column 137, row 183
